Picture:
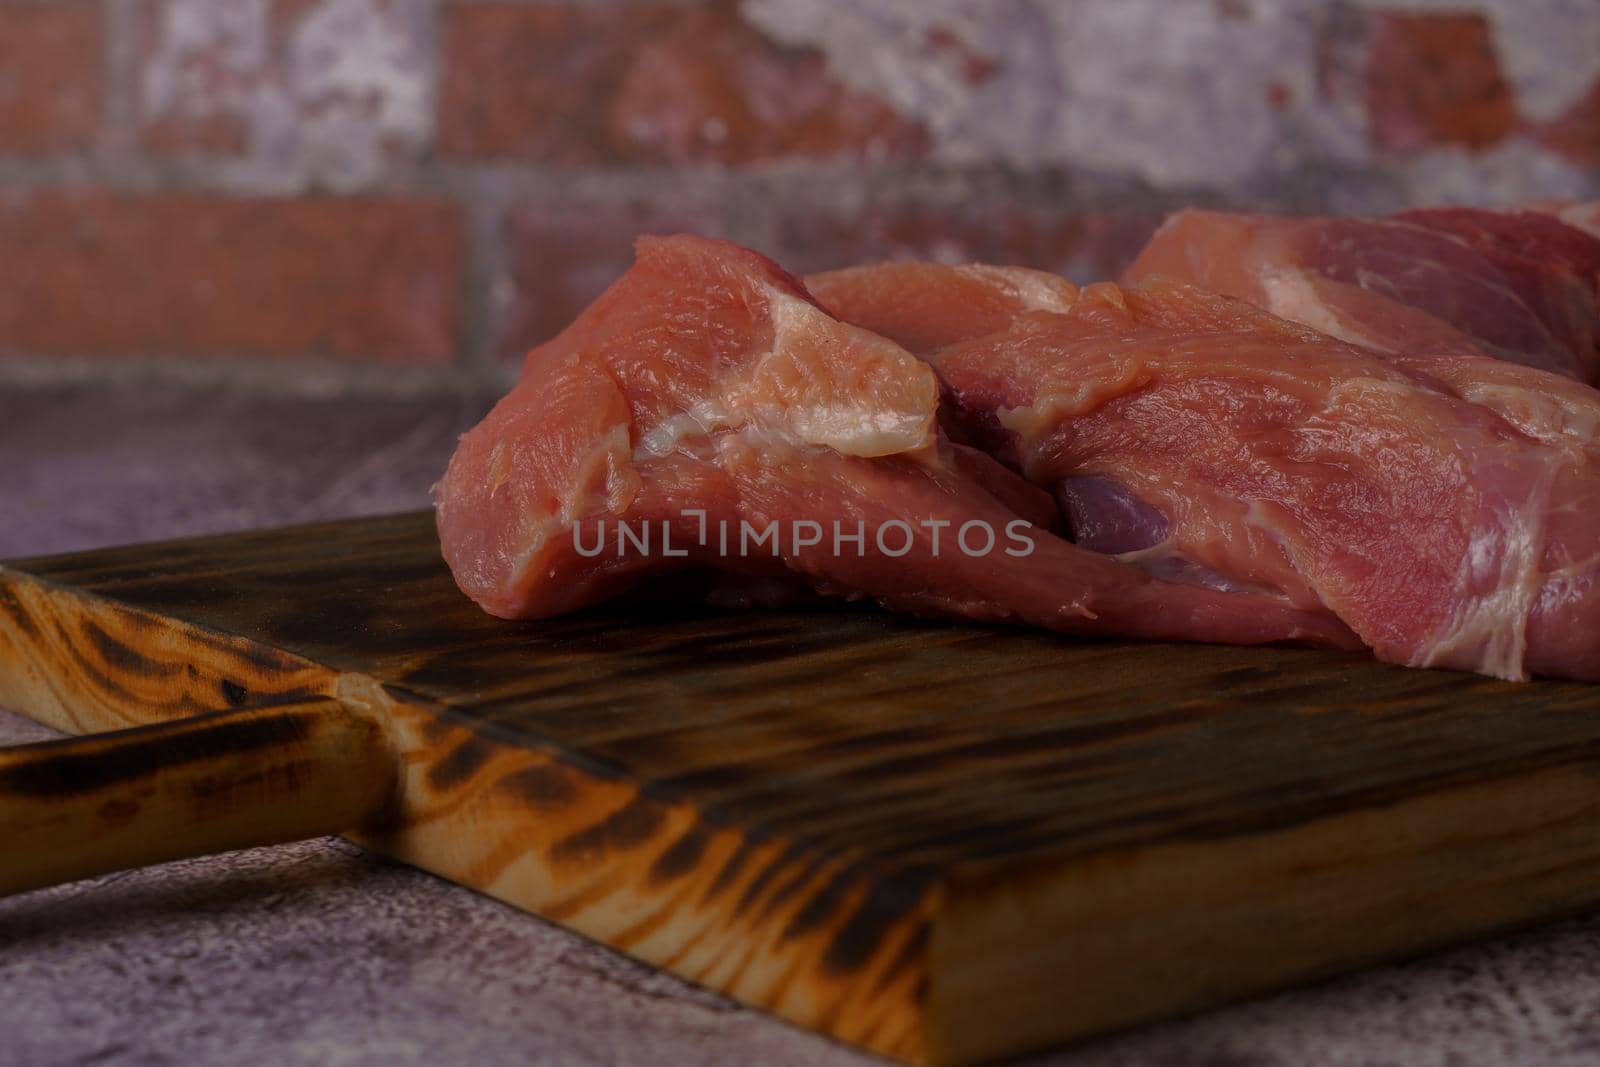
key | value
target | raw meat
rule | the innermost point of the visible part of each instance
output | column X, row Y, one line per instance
column 1521, row 286
column 706, row 387
column 1585, row 216
column 1449, row 513
column 927, row 306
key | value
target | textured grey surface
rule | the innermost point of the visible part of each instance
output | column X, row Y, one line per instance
column 1137, row 91
column 318, row 953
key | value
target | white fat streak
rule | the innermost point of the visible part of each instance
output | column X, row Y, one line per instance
column 1037, row 290
column 848, row 430
column 1290, row 295
column 1560, row 420
column 577, row 500
column 847, row 427
column 703, row 418
column 1059, row 400
column 1489, row 633
column 1486, row 633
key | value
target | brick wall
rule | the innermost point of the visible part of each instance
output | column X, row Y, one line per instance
column 414, row 191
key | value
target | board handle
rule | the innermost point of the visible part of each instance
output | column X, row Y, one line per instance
column 223, row 780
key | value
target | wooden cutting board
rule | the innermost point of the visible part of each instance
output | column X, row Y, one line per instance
column 942, row 843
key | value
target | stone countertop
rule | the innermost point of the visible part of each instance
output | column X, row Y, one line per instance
column 319, row 953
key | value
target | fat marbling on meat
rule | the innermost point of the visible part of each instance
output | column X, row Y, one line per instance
column 1447, row 508
column 707, row 387
column 1522, row 286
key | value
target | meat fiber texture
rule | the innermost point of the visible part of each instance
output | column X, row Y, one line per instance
column 706, row 415
column 1443, row 504
column 1522, row 286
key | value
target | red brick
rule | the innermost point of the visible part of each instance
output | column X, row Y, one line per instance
column 976, row 67
column 196, row 135
column 1435, row 80
column 51, row 83
column 1576, row 134
column 560, row 259
column 648, row 84
column 180, row 275
column 197, row 113
column 258, row 86
column 1085, row 247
